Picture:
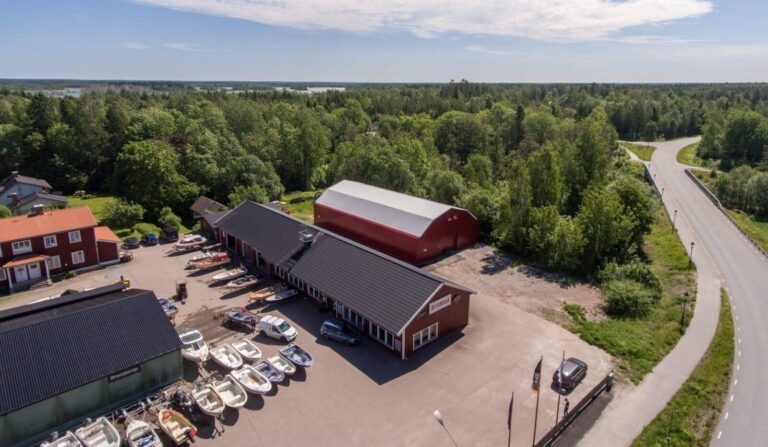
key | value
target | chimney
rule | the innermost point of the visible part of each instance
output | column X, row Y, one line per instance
column 38, row 210
column 14, row 196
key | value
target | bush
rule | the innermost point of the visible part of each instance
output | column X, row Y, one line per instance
column 627, row 298
column 121, row 214
column 5, row 212
column 145, row 229
column 634, row 271
column 168, row 219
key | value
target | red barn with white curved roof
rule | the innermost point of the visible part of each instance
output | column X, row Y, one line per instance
column 409, row 228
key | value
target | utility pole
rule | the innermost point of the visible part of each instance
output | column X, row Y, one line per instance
column 690, row 257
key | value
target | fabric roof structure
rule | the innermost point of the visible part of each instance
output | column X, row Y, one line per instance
column 105, row 234
column 56, row 345
column 203, row 205
column 380, row 287
column 24, row 260
column 409, row 214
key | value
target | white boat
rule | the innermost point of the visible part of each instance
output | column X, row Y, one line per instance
column 204, row 255
column 245, row 281
column 233, row 395
column 99, row 433
column 281, row 296
column 247, row 350
column 68, row 440
column 217, row 260
column 282, row 364
column 207, row 400
column 190, row 241
column 297, row 356
column 268, row 370
column 226, row 356
column 140, row 434
column 252, row 380
column 230, row 274
column 176, row 426
column 195, row 349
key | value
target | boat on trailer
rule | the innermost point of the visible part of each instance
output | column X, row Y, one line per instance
column 214, row 261
column 242, row 282
column 230, row 275
column 290, row 293
column 190, row 241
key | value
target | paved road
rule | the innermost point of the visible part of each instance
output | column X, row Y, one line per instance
column 624, row 418
column 745, row 274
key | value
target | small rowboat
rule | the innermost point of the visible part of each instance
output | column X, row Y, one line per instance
column 176, row 426
column 269, row 371
column 241, row 283
column 226, row 356
column 266, row 292
column 252, row 380
column 297, row 356
column 140, row 434
column 100, row 433
column 229, row 275
column 281, row 296
column 208, row 400
column 247, row 349
column 282, row 364
column 230, row 391
column 68, row 440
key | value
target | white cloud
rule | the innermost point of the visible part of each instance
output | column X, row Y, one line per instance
column 133, row 45
column 482, row 49
column 551, row 20
column 181, row 46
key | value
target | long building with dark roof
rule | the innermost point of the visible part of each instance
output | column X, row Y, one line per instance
column 400, row 305
column 81, row 355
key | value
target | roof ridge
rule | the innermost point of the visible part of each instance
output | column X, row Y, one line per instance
column 46, row 305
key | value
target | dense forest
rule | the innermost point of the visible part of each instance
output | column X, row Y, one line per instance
column 538, row 164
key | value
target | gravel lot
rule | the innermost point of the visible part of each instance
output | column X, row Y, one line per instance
column 364, row 394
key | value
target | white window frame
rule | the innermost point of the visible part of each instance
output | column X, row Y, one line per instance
column 296, row 282
column 425, row 336
column 313, row 292
column 75, row 237
column 352, row 317
column 2, row 274
column 50, row 241
column 82, row 257
column 24, row 247
column 54, row 262
column 381, row 335
column 279, row 271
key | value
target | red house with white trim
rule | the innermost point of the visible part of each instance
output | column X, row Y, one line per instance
column 43, row 243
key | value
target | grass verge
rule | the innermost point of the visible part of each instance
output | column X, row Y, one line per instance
column 691, row 416
column 301, row 204
column 642, row 151
column 756, row 229
column 687, row 156
column 639, row 344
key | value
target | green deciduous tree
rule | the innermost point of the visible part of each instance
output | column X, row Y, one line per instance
column 254, row 193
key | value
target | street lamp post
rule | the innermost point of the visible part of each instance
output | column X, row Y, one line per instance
column 674, row 219
column 441, row 421
column 690, row 257
column 682, row 317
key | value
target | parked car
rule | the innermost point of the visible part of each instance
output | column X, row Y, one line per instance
column 149, row 239
column 131, row 243
column 339, row 331
column 573, row 372
column 170, row 234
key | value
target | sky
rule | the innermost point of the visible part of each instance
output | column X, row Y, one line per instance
column 386, row 41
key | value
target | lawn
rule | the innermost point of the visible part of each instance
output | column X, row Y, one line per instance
column 687, row 156
column 691, row 416
column 98, row 205
column 642, row 151
column 756, row 229
column 639, row 344
column 301, row 204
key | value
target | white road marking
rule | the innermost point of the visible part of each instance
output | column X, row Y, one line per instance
column 738, row 367
column 720, row 433
column 726, row 415
column 739, row 340
column 735, row 381
column 739, row 353
column 731, row 397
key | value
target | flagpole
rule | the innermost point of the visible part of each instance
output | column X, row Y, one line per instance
column 536, row 416
column 559, row 388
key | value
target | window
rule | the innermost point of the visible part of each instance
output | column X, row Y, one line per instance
column 74, row 236
column 424, row 336
column 314, row 293
column 296, row 282
column 54, row 262
column 279, row 271
column 352, row 317
column 50, row 241
column 2, row 274
column 78, row 257
column 382, row 335
column 22, row 247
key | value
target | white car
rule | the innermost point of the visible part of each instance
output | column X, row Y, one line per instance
column 195, row 349
column 277, row 328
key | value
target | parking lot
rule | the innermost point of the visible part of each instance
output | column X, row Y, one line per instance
column 365, row 395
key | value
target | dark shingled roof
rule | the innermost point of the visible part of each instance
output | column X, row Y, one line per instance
column 386, row 290
column 211, row 218
column 40, row 195
column 53, row 346
column 24, row 180
column 203, row 205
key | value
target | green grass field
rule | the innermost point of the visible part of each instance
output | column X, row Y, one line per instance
column 642, row 151
column 301, row 204
column 639, row 344
column 687, row 155
column 98, row 204
column 756, row 229
column 690, row 418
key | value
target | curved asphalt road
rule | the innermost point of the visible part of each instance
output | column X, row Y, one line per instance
column 744, row 272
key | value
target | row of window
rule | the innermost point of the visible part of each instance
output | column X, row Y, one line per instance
column 424, row 336
column 21, row 247
column 54, row 262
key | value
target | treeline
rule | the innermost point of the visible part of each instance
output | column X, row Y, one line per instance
column 739, row 137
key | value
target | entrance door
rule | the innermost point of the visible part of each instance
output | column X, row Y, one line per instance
column 21, row 273
column 34, row 270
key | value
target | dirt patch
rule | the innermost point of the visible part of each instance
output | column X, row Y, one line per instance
column 533, row 290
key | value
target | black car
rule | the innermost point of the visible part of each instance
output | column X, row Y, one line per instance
column 170, row 234
column 149, row 239
column 573, row 372
column 131, row 243
column 339, row 331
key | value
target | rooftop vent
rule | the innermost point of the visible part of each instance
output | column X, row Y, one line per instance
column 38, row 210
column 306, row 236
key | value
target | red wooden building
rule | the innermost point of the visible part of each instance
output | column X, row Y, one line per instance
column 406, row 227
column 43, row 243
